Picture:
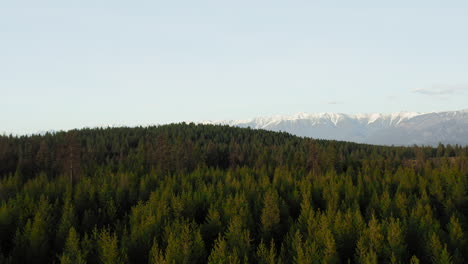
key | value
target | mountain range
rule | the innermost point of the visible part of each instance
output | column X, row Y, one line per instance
column 404, row 128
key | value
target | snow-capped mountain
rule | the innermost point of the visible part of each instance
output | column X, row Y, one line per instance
column 404, row 128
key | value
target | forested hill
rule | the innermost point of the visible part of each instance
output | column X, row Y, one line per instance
column 187, row 193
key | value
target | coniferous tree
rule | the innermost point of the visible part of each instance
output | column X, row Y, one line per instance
column 186, row 193
column 108, row 248
column 72, row 252
column 266, row 255
column 270, row 217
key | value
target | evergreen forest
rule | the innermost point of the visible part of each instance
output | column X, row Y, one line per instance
column 187, row 193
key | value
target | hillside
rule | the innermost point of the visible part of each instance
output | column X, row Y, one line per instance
column 186, row 193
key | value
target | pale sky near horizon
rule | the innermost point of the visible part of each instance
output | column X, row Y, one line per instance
column 72, row 64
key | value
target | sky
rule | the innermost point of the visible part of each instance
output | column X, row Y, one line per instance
column 73, row 64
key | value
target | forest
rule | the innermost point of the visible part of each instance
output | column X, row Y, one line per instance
column 188, row 193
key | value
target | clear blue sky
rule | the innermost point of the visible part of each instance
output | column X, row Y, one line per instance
column 67, row 64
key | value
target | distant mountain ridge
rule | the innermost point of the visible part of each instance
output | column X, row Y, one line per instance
column 403, row 128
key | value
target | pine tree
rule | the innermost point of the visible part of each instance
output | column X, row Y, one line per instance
column 265, row 255
column 72, row 252
column 439, row 252
column 396, row 246
column 270, row 217
column 212, row 227
column 370, row 244
column 108, row 248
column 67, row 221
column 238, row 238
column 184, row 244
column 37, row 234
column 156, row 255
column 304, row 252
column 221, row 254
column 457, row 240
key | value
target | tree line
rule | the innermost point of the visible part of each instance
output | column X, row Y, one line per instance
column 186, row 193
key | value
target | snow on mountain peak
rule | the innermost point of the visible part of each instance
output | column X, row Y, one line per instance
column 401, row 128
column 333, row 118
column 392, row 118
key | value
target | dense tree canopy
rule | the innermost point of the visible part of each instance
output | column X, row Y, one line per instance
column 187, row 193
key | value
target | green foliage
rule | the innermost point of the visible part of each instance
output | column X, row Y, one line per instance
column 184, row 244
column 108, row 248
column 266, row 255
column 186, row 193
column 67, row 221
column 222, row 254
column 396, row 246
column 456, row 239
column 36, row 234
column 304, row 251
column 156, row 255
column 439, row 252
column 414, row 260
column 270, row 217
column 72, row 252
column 370, row 245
